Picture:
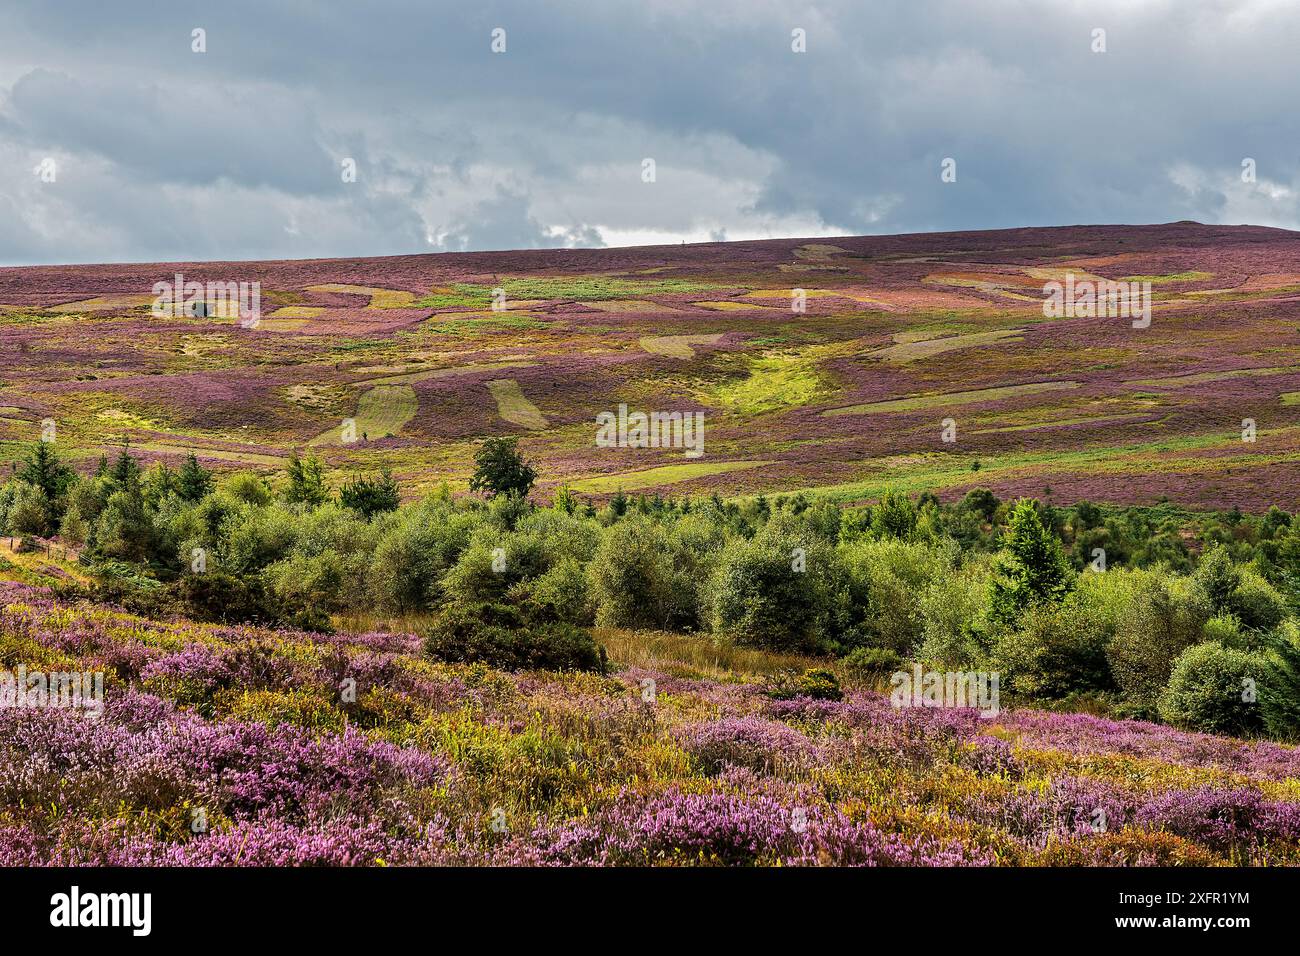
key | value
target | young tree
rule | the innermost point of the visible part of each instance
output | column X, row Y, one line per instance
column 193, row 481
column 43, row 469
column 306, row 481
column 126, row 470
column 371, row 496
column 159, row 482
column 894, row 517
column 1032, row 569
column 499, row 469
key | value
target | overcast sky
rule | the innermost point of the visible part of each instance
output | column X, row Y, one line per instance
column 162, row 153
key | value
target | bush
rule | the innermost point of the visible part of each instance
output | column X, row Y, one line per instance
column 634, row 582
column 894, row 575
column 1159, row 622
column 1256, row 603
column 952, row 607
column 562, row 594
column 866, row 663
column 498, row 635
column 1219, row 690
column 1058, row 650
column 757, row 597
column 814, row 682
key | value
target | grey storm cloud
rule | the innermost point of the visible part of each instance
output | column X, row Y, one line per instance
column 163, row 153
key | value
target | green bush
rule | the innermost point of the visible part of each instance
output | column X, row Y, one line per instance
column 1162, row 619
column 814, row 682
column 634, row 582
column 865, row 663
column 1256, row 603
column 759, row 597
column 1220, row 690
column 1058, row 650
column 500, row 636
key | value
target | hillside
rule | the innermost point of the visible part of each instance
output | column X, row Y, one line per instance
column 900, row 334
column 222, row 746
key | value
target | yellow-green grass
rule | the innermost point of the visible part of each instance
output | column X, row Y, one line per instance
column 778, row 380
column 818, row 251
column 297, row 312
column 125, row 419
column 788, row 294
column 631, row 305
column 936, row 471
column 946, row 399
column 379, row 298
column 513, row 406
column 677, row 346
column 1291, row 398
column 1199, row 378
column 408, row 378
column 661, row 475
column 580, row 288
column 735, row 306
column 693, row 656
column 1082, row 420
column 381, row 411
column 915, row 349
column 215, row 454
column 1171, row 277
column 1061, row 274
column 103, row 303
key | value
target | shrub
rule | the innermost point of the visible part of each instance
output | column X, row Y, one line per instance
column 562, row 594
column 951, row 609
column 758, row 597
column 894, row 574
column 1058, row 650
column 815, row 683
column 1159, row 622
column 634, row 582
column 1219, row 690
column 1257, row 603
column 499, row 636
column 894, row 517
column 865, row 663
column 371, row 496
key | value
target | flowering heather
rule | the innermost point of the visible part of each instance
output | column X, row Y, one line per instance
column 576, row 334
column 235, row 746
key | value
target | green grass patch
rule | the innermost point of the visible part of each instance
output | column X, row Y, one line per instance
column 1171, row 277
column 917, row 402
column 775, row 381
column 513, row 406
column 381, row 411
column 662, row 475
column 580, row 288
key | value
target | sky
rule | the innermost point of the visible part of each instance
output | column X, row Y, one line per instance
column 627, row 122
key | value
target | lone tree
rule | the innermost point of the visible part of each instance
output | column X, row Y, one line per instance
column 193, row 481
column 500, row 470
column 371, row 496
column 43, row 469
column 306, row 481
column 1032, row 569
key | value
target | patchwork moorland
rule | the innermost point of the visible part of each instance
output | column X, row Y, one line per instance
column 327, row 623
column 899, row 333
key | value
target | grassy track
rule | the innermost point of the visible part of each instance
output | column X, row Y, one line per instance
column 513, row 406
column 381, row 411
